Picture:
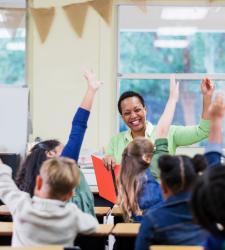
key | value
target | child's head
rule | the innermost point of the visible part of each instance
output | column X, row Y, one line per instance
column 58, row 176
column 208, row 200
column 135, row 160
column 30, row 169
column 178, row 173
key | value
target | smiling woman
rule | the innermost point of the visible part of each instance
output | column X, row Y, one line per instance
column 133, row 111
column 131, row 106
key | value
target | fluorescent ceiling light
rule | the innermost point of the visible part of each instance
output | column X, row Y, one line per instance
column 15, row 46
column 184, row 13
column 176, row 44
column 176, row 31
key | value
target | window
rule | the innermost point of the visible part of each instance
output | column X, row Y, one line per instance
column 12, row 42
column 184, row 40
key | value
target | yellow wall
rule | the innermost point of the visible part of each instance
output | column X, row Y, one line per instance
column 56, row 81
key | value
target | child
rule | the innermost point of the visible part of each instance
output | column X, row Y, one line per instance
column 208, row 198
column 172, row 223
column 138, row 189
column 48, row 149
column 46, row 218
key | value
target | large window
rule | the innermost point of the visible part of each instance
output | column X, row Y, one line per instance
column 12, row 42
column 183, row 40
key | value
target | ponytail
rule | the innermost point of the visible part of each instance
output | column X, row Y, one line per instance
column 178, row 173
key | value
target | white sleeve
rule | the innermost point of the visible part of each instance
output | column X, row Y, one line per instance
column 9, row 192
column 86, row 223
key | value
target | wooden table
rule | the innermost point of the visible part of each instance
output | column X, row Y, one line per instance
column 101, row 212
column 6, row 228
column 176, row 248
column 34, row 248
column 103, row 229
column 125, row 234
column 5, row 215
column 118, row 214
column 95, row 241
column 4, row 210
column 126, row 229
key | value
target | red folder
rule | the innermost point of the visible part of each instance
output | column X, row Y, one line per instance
column 106, row 179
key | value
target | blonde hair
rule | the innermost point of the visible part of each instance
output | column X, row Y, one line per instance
column 61, row 175
column 133, row 166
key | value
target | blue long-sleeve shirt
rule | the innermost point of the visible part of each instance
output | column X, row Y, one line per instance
column 79, row 126
column 213, row 156
column 83, row 196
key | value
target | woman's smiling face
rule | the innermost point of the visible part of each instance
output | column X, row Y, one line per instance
column 134, row 114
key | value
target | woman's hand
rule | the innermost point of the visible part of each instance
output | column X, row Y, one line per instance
column 109, row 161
column 174, row 89
column 207, row 87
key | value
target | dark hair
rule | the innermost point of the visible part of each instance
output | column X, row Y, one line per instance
column 128, row 94
column 179, row 173
column 208, row 200
column 28, row 171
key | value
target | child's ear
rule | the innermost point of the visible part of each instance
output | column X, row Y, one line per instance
column 50, row 154
column 39, row 182
column 68, row 196
column 147, row 158
column 165, row 190
column 38, row 185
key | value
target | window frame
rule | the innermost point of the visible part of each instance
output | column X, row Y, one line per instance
column 161, row 76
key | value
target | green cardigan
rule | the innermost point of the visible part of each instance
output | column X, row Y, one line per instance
column 177, row 136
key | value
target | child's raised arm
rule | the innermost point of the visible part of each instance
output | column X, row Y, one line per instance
column 214, row 149
column 79, row 123
column 216, row 113
column 163, row 126
column 93, row 86
column 166, row 118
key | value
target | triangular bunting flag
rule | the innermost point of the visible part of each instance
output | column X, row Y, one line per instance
column 43, row 18
column 76, row 14
column 12, row 20
column 104, row 8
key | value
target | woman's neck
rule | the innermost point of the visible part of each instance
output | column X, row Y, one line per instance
column 138, row 133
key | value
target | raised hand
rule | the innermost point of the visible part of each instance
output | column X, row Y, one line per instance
column 93, row 83
column 207, row 87
column 217, row 107
column 166, row 118
column 93, row 86
column 174, row 88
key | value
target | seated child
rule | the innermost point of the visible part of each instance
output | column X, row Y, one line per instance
column 208, row 197
column 172, row 222
column 26, row 175
column 46, row 218
column 138, row 189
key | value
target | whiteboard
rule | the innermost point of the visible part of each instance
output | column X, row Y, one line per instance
column 13, row 119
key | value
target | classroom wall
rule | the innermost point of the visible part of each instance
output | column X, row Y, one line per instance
column 55, row 74
column 56, row 80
